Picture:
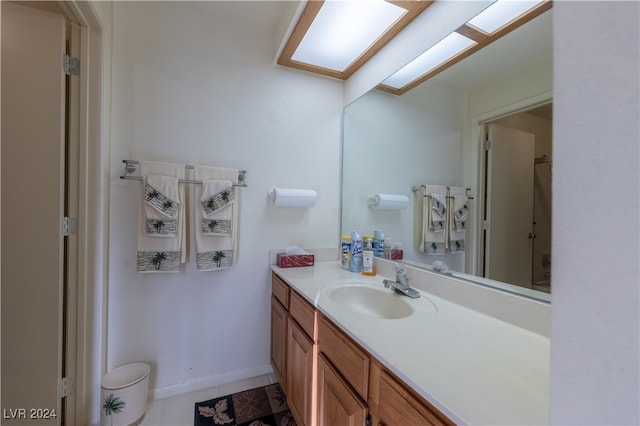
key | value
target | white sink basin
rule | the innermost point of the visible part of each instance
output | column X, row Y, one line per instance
column 372, row 302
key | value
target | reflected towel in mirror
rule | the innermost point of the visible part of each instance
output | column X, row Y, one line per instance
column 433, row 241
column 458, row 203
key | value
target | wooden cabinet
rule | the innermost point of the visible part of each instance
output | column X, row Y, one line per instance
column 392, row 403
column 338, row 404
column 301, row 359
column 280, row 290
column 279, row 317
column 328, row 378
column 293, row 349
column 343, row 378
column 347, row 357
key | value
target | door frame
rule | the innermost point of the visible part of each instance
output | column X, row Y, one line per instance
column 476, row 168
column 87, row 313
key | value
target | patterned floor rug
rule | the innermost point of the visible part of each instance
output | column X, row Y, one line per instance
column 255, row 407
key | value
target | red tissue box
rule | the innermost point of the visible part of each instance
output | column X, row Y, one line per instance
column 295, row 260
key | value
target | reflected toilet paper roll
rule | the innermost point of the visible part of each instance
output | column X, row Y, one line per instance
column 388, row 201
column 288, row 197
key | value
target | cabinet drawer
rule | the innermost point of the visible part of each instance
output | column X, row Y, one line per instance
column 398, row 406
column 304, row 313
column 280, row 290
column 351, row 361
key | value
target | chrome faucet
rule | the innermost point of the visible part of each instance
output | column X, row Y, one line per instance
column 401, row 284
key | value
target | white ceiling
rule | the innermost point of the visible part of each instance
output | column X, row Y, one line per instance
column 257, row 14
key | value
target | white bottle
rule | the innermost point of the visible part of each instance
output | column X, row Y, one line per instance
column 355, row 264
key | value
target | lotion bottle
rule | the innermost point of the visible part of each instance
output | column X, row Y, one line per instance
column 368, row 267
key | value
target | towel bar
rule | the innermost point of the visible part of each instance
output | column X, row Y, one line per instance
column 418, row 188
column 131, row 167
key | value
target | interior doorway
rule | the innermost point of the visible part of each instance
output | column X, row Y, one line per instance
column 516, row 238
column 40, row 202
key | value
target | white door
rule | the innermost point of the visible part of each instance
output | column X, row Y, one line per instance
column 32, row 191
column 509, row 243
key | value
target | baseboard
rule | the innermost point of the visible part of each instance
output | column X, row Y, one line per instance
column 208, row 382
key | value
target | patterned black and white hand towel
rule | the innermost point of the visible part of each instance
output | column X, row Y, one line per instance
column 434, row 214
column 161, row 234
column 215, row 216
column 458, row 211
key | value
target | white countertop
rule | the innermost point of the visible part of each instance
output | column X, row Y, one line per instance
column 474, row 368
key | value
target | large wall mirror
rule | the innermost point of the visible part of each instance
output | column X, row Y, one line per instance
column 435, row 133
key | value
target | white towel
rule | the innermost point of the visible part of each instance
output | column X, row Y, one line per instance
column 216, row 201
column 458, row 210
column 437, row 212
column 215, row 218
column 161, row 205
column 161, row 236
column 433, row 241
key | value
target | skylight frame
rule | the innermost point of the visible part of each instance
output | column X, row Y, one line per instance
column 414, row 8
column 482, row 38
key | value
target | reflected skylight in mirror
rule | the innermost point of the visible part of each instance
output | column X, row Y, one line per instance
column 343, row 30
column 500, row 14
column 445, row 49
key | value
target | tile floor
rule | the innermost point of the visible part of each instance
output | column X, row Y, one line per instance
column 179, row 410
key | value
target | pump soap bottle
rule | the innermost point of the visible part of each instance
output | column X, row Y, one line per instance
column 368, row 267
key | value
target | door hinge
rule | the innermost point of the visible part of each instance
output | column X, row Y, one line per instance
column 66, row 387
column 367, row 421
column 70, row 65
column 487, row 145
column 485, row 225
column 69, row 226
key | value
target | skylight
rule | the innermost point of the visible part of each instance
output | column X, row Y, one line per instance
column 343, row 30
column 500, row 18
column 336, row 37
column 445, row 49
column 500, row 14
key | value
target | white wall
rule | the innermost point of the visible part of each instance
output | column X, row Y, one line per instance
column 393, row 143
column 595, row 314
column 189, row 89
column 521, row 88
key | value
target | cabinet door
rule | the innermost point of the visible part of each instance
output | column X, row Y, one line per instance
column 349, row 360
column 337, row 403
column 300, row 368
column 279, row 342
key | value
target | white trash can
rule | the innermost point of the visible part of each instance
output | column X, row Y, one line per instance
column 124, row 395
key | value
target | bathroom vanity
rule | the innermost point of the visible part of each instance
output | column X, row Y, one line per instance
column 346, row 349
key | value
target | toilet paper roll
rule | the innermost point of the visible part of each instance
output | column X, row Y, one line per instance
column 287, row 197
column 388, row 202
